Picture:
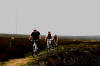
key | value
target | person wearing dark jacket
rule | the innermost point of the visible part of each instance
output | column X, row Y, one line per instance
column 35, row 35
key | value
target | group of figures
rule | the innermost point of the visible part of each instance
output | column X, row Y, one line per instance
column 35, row 38
column 49, row 39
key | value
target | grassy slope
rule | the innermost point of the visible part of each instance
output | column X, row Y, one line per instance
column 22, row 61
column 30, row 60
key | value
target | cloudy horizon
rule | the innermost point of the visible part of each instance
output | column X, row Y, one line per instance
column 60, row 17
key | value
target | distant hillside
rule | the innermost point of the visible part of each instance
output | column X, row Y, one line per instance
column 14, row 35
column 60, row 37
column 81, row 37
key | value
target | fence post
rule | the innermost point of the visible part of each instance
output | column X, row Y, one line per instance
column 11, row 46
column 12, row 42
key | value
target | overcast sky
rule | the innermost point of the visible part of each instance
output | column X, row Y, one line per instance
column 63, row 17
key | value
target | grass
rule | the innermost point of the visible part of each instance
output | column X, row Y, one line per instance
column 60, row 49
column 31, row 61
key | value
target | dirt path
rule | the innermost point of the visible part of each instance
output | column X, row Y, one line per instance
column 16, row 62
column 21, row 61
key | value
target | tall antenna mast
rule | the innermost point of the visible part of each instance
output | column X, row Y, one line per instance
column 16, row 20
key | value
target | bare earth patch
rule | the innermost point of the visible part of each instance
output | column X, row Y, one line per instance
column 16, row 62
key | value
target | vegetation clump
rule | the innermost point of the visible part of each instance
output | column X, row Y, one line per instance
column 68, row 55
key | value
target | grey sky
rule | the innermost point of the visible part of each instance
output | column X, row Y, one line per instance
column 63, row 17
